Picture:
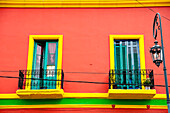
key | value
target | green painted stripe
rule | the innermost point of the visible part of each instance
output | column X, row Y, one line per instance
column 81, row 101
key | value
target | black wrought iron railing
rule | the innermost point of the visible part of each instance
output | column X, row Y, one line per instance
column 41, row 79
column 131, row 79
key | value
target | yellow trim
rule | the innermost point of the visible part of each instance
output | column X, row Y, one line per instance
column 158, row 107
column 40, row 94
column 142, row 58
column 29, row 61
column 131, row 106
column 9, row 96
column 142, row 106
column 85, row 95
column 78, row 95
column 30, row 54
column 112, row 58
column 131, row 94
column 82, row 3
column 160, row 96
column 112, row 65
column 141, row 50
column 81, row 106
column 54, row 106
column 59, row 62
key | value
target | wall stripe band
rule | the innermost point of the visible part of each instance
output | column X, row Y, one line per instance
column 82, row 3
column 83, row 101
column 82, row 106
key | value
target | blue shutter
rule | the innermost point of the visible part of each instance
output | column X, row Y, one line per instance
column 51, row 75
column 43, row 72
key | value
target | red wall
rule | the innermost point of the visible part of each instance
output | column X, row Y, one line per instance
column 86, row 41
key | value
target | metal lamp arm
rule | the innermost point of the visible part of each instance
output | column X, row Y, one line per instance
column 155, row 24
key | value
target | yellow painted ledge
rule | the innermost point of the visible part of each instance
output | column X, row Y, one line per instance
column 9, row 96
column 40, row 94
column 82, row 3
column 131, row 94
column 160, row 96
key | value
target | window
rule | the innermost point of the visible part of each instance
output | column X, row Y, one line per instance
column 126, row 60
column 45, row 62
column 44, row 68
column 127, row 68
column 127, row 64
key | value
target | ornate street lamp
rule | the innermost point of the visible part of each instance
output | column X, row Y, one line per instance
column 157, row 52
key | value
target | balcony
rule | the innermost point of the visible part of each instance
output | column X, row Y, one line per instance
column 129, row 84
column 40, row 84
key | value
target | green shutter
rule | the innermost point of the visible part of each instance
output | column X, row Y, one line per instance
column 126, row 61
column 117, row 80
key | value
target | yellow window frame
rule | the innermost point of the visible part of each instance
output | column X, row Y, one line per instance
column 31, row 50
column 141, row 50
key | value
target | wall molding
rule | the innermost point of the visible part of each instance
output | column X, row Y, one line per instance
column 82, row 3
column 77, row 95
column 83, row 106
column 81, row 100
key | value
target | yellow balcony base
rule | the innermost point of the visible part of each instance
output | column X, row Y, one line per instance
column 131, row 93
column 40, row 94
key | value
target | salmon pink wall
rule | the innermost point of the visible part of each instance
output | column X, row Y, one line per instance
column 86, row 41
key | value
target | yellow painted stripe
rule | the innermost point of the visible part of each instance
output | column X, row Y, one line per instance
column 82, row 3
column 81, row 106
column 141, row 106
column 131, row 106
column 112, row 64
column 85, row 95
column 59, row 62
column 142, row 58
column 77, row 95
column 46, row 37
column 54, row 106
column 158, row 107
column 29, row 61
